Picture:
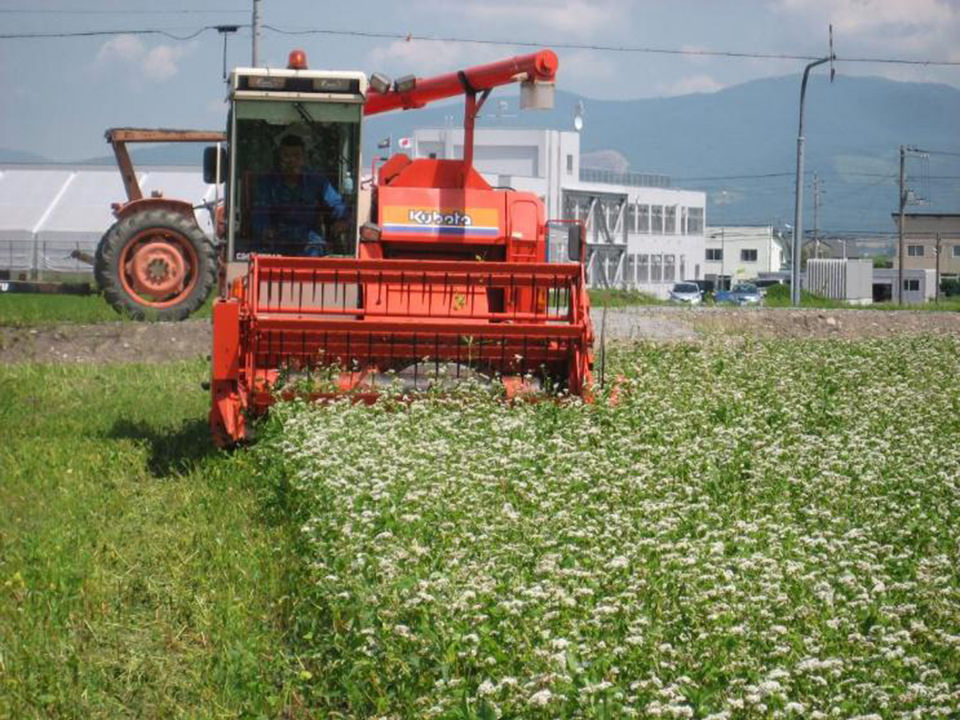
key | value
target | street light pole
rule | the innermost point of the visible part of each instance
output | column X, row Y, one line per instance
column 903, row 204
column 255, row 29
column 224, row 30
column 798, row 200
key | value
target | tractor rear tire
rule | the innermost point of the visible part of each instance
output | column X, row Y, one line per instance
column 156, row 264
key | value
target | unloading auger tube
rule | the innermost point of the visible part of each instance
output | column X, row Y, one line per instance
column 451, row 279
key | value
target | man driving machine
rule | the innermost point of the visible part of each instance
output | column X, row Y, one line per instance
column 291, row 206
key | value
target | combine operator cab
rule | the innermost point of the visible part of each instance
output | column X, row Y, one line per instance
column 424, row 276
column 292, row 166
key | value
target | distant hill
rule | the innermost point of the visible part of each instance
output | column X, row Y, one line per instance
column 8, row 155
column 853, row 130
column 188, row 154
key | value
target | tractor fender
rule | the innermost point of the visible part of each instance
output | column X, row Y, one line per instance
column 123, row 210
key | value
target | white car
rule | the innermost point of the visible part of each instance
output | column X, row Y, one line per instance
column 686, row 293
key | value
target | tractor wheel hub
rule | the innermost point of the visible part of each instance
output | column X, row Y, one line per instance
column 159, row 269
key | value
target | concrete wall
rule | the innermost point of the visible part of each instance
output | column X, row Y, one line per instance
column 847, row 280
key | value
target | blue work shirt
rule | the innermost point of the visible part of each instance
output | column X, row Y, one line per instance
column 291, row 211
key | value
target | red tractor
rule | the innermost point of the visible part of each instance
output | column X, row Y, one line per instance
column 330, row 286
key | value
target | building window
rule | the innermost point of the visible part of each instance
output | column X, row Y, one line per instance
column 656, row 219
column 715, row 254
column 613, row 214
column 631, row 217
column 670, row 220
column 956, row 251
column 694, row 221
column 569, row 164
column 643, row 269
column 669, row 268
column 915, row 250
column 656, row 268
column 911, row 285
column 643, row 218
column 630, row 270
column 747, row 255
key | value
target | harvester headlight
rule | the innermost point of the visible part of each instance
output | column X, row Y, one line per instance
column 370, row 232
column 331, row 84
column 267, row 82
column 406, row 83
column 380, row 82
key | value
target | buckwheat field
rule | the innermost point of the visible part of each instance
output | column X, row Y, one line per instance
column 756, row 530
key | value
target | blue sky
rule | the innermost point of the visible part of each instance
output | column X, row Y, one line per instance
column 60, row 94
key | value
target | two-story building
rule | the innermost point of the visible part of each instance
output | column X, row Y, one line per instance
column 931, row 242
column 642, row 233
column 741, row 252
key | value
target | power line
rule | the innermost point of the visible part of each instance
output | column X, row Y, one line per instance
column 895, row 61
column 590, row 46
column 101, row 33
column 33, row 11
column 935, row 152
column 526, row 43
column 490, row 41
column 734, row 177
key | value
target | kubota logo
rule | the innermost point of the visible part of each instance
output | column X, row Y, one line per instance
column 436, row 217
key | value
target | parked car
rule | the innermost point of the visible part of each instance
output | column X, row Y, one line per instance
column 687, row 293
column 742, row 294
column 765, row 284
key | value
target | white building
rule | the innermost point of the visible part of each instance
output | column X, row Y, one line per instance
column 49, row 214
column 642, row 233
column 742, row 252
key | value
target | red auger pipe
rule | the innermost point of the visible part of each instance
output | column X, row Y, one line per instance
column 541, row 65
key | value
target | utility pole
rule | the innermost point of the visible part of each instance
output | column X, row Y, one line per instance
column 903, row 204
column 723, row 255
column 798, row 200
column 816, row 215
column 256, row 33
column 937, row 259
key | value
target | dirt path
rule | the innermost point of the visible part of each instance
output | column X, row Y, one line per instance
column 116, row 342
column 123, row 342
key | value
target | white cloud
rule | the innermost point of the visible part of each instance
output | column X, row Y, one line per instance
column 161, row 62
column 586, row 69
column 696, row 59
column 582, row 18
column 692, row 84
column 907, row 29
column 857, row 17
column 127, row 48
column 128, row 51
column 426, row 57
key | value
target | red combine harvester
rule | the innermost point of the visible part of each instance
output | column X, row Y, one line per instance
column 424, row 275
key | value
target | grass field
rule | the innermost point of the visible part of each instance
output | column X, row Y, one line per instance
column 758, row 530
column 30, row 310
column 139, row 573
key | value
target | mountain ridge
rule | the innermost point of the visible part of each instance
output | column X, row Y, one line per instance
column 708, row 141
